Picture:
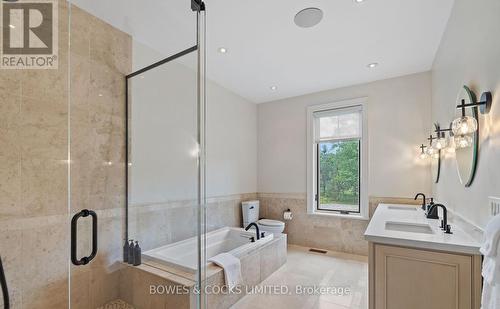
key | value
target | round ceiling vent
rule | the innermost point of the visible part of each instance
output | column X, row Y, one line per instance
column 309, row 17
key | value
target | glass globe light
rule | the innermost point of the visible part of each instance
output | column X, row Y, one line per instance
column 440, row 143
column 431, row 150
column 451, row 146
column 464, row 125
column 423, row 154
column 463, row 141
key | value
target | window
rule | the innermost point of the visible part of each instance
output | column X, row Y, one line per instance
column 337, row 159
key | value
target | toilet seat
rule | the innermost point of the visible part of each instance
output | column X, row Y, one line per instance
column 270, row 223
column 271, row 226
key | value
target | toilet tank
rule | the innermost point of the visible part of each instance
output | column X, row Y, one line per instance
column 250, row 211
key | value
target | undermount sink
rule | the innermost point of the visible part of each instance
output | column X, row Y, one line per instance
column 402, row 208
column 408, row 227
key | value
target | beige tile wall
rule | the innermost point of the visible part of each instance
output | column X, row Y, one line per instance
column 338, row 234
column 33, row 181
column 34, row 214
column 160, row 224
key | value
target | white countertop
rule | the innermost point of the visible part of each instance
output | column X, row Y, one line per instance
column 458, row 242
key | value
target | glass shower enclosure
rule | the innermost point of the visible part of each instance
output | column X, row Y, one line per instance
column 102, row 141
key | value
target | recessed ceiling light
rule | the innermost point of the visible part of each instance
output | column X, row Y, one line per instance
column 359, row 1
column 222, row 50
column 372, row 65
column 308, row 17
column 273, row 88
column 12, row 26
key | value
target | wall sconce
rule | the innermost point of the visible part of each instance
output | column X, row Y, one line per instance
column 435, row 145
column 461, row 130
column 463, row 141
column 431, row 151
column 423, row 154
column 441, row 141
column 467, row 124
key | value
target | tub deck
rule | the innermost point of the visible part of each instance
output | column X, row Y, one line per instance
column 256, row 265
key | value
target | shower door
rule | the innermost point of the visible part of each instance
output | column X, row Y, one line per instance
column 64, row 162
column 34, row 238
column 136, row 142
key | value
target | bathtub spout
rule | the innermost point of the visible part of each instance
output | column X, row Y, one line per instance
column 256, row 229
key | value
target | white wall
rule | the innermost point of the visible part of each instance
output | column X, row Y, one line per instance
column 398, row 118
column 231, row 143
column 469, row 54
column 164, row 165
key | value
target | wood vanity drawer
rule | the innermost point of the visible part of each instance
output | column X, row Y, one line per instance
column 413, row 278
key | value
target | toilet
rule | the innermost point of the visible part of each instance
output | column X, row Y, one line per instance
column 250, row 211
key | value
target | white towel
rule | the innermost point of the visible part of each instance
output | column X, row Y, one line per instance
column 491, row 296
column 490, row 248
column 491, row 270
column 232, row 268
column 491, row 237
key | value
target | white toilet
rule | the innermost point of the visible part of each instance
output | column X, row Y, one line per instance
column 250, row 210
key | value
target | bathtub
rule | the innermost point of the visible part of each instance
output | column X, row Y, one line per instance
column 183, row 255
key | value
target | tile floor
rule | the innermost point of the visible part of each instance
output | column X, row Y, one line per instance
column 303, row 268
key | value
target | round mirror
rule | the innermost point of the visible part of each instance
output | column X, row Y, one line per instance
column 436, row 166
column 466, row 145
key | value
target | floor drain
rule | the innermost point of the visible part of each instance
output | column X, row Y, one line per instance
column 318, row 251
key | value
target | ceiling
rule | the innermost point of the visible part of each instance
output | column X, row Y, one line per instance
column 265, row 48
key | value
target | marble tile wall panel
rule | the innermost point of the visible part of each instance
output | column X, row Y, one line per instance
column 331, row 233
column 157, row 225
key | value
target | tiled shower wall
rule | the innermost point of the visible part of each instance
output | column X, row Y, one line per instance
column 100, row 58
column 34, row 130
column 164, row 223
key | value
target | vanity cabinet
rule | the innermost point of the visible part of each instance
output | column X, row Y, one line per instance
column 414, row 278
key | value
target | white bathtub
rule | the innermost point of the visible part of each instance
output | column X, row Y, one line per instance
column 184, row 254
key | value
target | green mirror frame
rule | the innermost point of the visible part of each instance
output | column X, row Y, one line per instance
column 474, row 112
column 436, row 167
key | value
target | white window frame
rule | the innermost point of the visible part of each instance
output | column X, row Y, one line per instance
column 311, row 158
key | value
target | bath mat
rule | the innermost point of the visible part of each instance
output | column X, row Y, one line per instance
column 116, row 304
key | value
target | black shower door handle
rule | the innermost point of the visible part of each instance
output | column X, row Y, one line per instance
column 5, row 290
column 74, row 231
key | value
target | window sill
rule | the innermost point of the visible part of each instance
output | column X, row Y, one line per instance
column 339, row 215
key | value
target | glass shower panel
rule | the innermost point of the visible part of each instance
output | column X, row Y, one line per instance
column 34, row 243
column 164, row 170
column 156, row 112
column 63, row 157
column 163, row 154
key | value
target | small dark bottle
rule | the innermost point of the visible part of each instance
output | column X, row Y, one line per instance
column 131, row 252
column 137, row 254
column 125, row 252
